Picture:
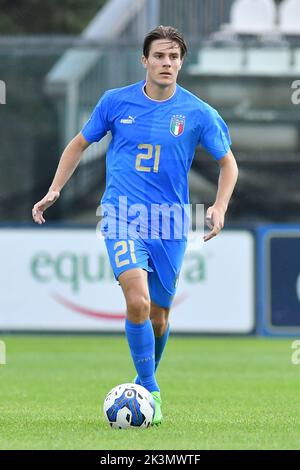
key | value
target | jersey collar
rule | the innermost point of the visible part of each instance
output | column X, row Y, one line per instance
column 158, row 101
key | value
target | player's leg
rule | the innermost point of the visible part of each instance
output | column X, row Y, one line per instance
column 139, row 332
column 162, row 282
column 166, row 260
column 138, row 327
column 129, row 261
column 135, row 289
column 159, row 317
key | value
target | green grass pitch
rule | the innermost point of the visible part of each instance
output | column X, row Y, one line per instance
column 218, row 393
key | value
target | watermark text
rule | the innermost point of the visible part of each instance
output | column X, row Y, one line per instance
column 2, row 92
column 152, row 221
column 295, row 358
column 2, row 353
column 296, row 94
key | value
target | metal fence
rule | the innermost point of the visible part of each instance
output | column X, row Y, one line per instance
column 196, row 19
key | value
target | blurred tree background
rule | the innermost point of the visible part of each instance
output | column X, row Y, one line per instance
column 46, row 16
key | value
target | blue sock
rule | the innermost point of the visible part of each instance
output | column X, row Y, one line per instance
column 140, row 338
column 160, row 344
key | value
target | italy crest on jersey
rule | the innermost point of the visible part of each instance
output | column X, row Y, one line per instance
column 177, row 124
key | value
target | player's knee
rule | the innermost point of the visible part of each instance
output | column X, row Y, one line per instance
column 159, row 324
column 138, row 308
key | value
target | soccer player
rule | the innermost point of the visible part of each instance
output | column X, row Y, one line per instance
column 155, row 126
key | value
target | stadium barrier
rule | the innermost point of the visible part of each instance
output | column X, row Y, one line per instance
column 59, row 279
column 278, row 280
column 62, row 281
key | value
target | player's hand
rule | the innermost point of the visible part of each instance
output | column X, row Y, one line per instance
column 39, row 208
column 215, row 221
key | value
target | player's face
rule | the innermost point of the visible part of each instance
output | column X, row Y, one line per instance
column 163, row 63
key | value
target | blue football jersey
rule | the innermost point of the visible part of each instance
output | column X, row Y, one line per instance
column 153, row 143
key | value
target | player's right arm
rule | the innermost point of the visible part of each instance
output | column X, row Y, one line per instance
column 68, row 162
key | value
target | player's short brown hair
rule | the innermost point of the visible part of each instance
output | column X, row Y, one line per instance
column 164, row 32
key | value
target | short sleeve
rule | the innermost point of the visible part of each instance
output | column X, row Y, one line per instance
column 98, row 124
column 214, row 134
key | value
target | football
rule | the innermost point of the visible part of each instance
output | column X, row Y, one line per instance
column 129, row 406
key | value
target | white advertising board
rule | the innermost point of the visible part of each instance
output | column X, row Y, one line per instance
column 61, row 280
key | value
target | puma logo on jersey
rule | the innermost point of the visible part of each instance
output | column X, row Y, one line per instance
column 129, row 120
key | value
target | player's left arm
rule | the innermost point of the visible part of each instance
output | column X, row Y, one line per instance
column 215, row 214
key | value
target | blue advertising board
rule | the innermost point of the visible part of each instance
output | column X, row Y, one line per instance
column 278, row 280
